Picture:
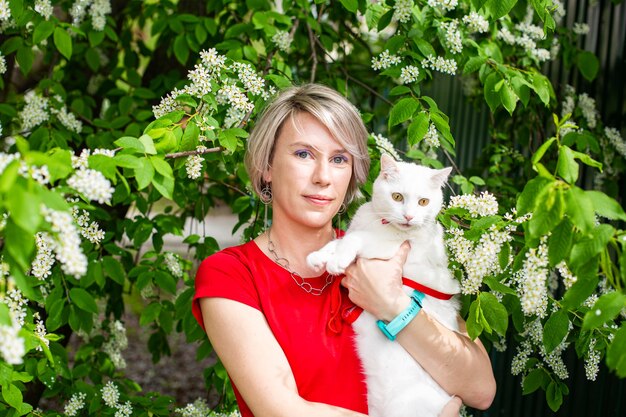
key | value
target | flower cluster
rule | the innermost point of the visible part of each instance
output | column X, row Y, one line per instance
column 44, row 8
column 452, row 34
column 532, row 280
column 592, row 361
column 282, row 40
column 3, row 67
column 199, row 408
column 402, row 10
column 173, row 264
column 35, row 111
column 580, row 28
column 98, row 10
column 431, row 138
column 12, row 348
column 443, row 5
column 67, row 119
column 479, row 259
column 5, row 10
column 17, row 305
column 193, row 166
column 384, row 60
column 439, row 63
column 110, row 394
column 568, row 278
column 409, row 74
column 251, row 81
column 82, row 161
column 384, row 145
column 616, row 140
column 39, row 174
column 75, row 404
column 90, row 230
column 478, row 206
column 476, row 23
column 116, row 343
column 92, row 184
column 532, row 342
column 527, row 35
column 44, row 260
column 66, row 242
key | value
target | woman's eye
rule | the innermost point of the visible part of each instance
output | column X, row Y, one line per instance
column 302, row 154
column 423, row 201
column 340, row 159
column 397, row 197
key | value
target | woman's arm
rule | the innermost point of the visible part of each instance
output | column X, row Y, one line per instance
column 461, row 366
column 256, row 363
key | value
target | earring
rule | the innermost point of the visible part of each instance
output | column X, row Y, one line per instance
column 342, row 208
column 266, row 194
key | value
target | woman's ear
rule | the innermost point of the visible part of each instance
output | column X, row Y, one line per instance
column 267, row 175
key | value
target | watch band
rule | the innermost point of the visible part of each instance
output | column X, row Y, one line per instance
column 391, row 329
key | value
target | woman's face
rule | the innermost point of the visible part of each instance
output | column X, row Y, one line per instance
column 309, row 173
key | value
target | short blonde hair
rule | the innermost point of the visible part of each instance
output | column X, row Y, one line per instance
column 331, row 109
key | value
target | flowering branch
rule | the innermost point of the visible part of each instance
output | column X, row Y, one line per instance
column 175, row 155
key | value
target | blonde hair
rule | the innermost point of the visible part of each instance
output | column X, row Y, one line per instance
column 331, row 109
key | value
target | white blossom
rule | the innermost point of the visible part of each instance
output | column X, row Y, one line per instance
column 568, row 278
column 90, row 230
column 92, row 184
column 16, row 302
column 580, row 28
column 431, row 138
column 12, row 348
column 409, row 74
column 44, row 260
column 40, row 331
column 3, row 68
column 592, row 361
column 443, row 5
column 384, row 145
column 453, row 38
column 234, row 116
column 505, row 35
column 439, row 63
column 110, row 394
column 5, row 10
column 34, row 112
column 476, row 23
column 75, row 404
column 67, row 119
column 6, row 159
column 251, row 81
column 201, row 79
column 193, row 166
column 44, row 8
column 173, row 264
column 213, row 61
column 612, row 135
column 282, row 40
column 588, row 107
column 98, row 11
column 558, row 10
column 67, row 242
column 482, row 205
column 532, row 31
column 116, row 343
column 555, row 48
column 384, row 60
column 402, row 10
column 124, row 410
column 234, row 96
column 532, row 279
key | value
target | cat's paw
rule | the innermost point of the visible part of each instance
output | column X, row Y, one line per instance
column 337, row 264
column 317, row 260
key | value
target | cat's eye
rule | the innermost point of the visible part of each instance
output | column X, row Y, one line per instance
column 423, row 201
column 397, row 197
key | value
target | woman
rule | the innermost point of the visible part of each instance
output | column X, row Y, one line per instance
column 276, row 324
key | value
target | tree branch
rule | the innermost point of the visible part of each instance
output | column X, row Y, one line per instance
column 190, row 153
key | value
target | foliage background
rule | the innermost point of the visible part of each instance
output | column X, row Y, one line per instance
column 85, row 131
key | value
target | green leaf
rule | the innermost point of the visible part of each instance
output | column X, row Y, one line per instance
column 508, row 98
column 588, row 64
column 129, row 142
column 542, row 87
column 492, row 97
column 605, row 206
column 585, row 285
column 42, row 31
column 566, row 166
column 150, row 313
column 494, row 312
column 560, row 242
column 350, row 5
column 165, row 281
column 12, row 395
column 580, row 208
column 542, row 150
column 228, row 140
column 473, row 64
column 164, row 185
column 616, row 353
column 148, row 144
column 606, row 308
column 144, row 173
column 474, row 325
column 554, row 396
column 535, row 380
column 162, row 167
column 499, row 8
column 402, row 110
column 555, row 330
column 83, row 300
column 114, row 269
column 63, row 42
column 181, row 49
column 25, row 57
column 24, row 208
column 418, row 128
column 189, row 140
column 127, row 161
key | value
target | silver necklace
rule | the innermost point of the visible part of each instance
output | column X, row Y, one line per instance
column 300, row 282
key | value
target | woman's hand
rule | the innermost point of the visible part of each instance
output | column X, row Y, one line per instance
column 375, row 285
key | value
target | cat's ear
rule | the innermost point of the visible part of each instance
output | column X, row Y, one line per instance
column 441, row 176
column 388, row 167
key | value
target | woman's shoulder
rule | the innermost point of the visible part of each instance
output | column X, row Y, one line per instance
column 240, row 256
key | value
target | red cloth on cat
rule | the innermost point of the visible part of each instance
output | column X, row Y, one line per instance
column 320, row 351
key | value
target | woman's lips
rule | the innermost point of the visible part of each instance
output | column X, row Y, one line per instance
column 319, row 200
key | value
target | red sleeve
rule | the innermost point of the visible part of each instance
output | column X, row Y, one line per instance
column 224, row 275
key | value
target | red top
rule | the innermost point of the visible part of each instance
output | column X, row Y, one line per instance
column 319, row 348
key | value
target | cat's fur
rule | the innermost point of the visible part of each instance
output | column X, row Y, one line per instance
column 397, row 385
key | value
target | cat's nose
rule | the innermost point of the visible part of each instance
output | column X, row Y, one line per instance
column 408, row 218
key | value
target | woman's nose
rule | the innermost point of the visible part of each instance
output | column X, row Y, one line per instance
column 322, row 173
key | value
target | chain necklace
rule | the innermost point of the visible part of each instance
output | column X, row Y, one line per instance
column 300, row 282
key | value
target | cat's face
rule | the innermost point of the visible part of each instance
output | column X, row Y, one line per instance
column 407, row 195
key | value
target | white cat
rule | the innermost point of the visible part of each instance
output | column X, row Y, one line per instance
column 405, row 202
